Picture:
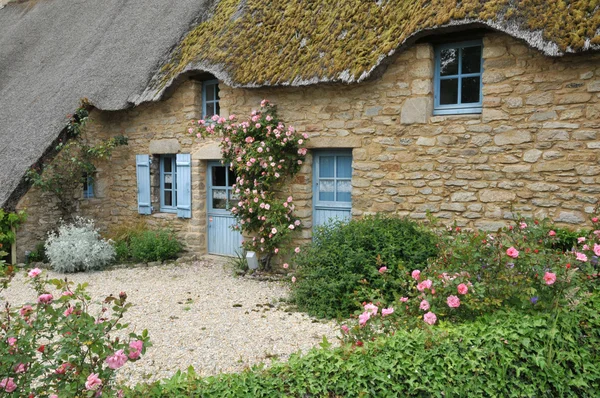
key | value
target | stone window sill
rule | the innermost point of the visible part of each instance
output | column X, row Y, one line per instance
column 165, row 216
column 442, row 118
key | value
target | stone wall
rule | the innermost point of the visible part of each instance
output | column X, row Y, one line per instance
column 533, row 151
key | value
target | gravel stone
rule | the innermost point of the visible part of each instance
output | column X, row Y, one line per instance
column 198, row 314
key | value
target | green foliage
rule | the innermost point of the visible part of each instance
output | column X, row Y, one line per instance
column 9, row 223
column 72, row 162
column 38, row 254
column 55, row 344
column 507, row 354
column 146, row 246
column 239, row 262
column 340, row 268
column 264, row 154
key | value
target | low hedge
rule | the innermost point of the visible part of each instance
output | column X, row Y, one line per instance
column 503, row 354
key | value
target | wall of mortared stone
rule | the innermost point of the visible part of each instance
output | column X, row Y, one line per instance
column 532, row 152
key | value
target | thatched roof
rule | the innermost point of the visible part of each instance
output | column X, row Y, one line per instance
column 120, row 53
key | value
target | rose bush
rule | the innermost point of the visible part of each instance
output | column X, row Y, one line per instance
column 56, row 347
column 263, row 153
column 518, row 268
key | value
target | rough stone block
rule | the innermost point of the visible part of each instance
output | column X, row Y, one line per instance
column 463, row 197
column 542, row 116
column 513, row 138
column 575, row 98
column 570, row 217
column 594, row 86
column 416, row 110
column 489, row 115
column 168, row 146
column 496, row 195
column 553, row 135
column 540, row 98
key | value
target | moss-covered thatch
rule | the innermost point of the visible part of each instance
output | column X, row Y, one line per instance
column 271, row 42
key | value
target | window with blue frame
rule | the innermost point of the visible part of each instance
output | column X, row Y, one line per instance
column 210, row 98
column 458, row 70
column 168, row 184
column 88, row 186
column 334, row 179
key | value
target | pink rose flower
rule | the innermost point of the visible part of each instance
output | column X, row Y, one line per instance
column 427, row 283
column 581, row 257
column 293, row 279
column 289, row 199
column 53, row 396
column 286, row 265
column 581, row 239
column 403, row 299
column 453, row 302
column 430, row 318
column 371, row 308
column 297, row 250
column 68, row 311
column 20, row 368
column 11, row 341
column 586, row 247
column 67, row 293
column 596, row 249
column 416, row 274
column 45, row 298
column 135, row 349
column 8, row 384
column 25, row 310
column 522, row 225
column 549, row 278
column 363, row 318
column 512, row 252
column 34, row 272
column 382, row 270
column 424, row 305
column 116, row 360
column 387, row 311
column 274, row 231
column 552, row 233
column 345, row 329
column 93, row 382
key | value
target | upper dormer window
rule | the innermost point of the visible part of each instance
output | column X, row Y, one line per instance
column 210, row 99
column 458, row 69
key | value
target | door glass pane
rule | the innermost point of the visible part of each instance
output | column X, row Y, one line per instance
column 470, row 90
column 471, row 59
column 168, row 199
column 327, row 190
column 344, row 191
column 344, row 167
column 219, row 198
column 167, row 166
column 326, row 166
column 231, row 177
column 218, row 176
column 217, row 108
column 210, row 92
column 448, row 91
column 449, row 62
column 234, row 197
column 210, row 109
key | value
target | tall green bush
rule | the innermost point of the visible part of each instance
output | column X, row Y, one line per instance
column 363, row 260
column 157, row 245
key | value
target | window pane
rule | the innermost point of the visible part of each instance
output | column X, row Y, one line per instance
column 448, row 91
column 470, row 90
column 218, row 176
column 219, row 198
column 167, row 165
column 210, row 110
column 344, row 191
column 327, row 190
column 344, row 167
column 234, row 197
column 326, row 166
column 217, row 108
column 210, row 92
column 231, row 176
column 471, row 59
column 449, row 62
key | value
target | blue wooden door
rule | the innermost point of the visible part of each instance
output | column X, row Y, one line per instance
column 332, row 186
column 222, row 239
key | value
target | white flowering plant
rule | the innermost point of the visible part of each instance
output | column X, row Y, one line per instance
column 78, row 247
column 264, row 154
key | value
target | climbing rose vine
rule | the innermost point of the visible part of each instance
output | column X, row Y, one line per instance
column 264, row 154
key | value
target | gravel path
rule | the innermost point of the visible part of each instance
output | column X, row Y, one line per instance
column 198, row 314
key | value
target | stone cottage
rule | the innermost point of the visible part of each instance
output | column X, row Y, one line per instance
column 474, row 111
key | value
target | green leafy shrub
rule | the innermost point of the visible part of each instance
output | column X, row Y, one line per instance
column 343, row 265
column 78, row 247
column 506, row 354
column 38, row 254
column 157, row 245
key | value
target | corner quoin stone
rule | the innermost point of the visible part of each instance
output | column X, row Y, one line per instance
column 416, row 110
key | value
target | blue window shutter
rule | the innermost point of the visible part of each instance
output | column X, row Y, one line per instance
column 142, row 163
column 184, row 185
